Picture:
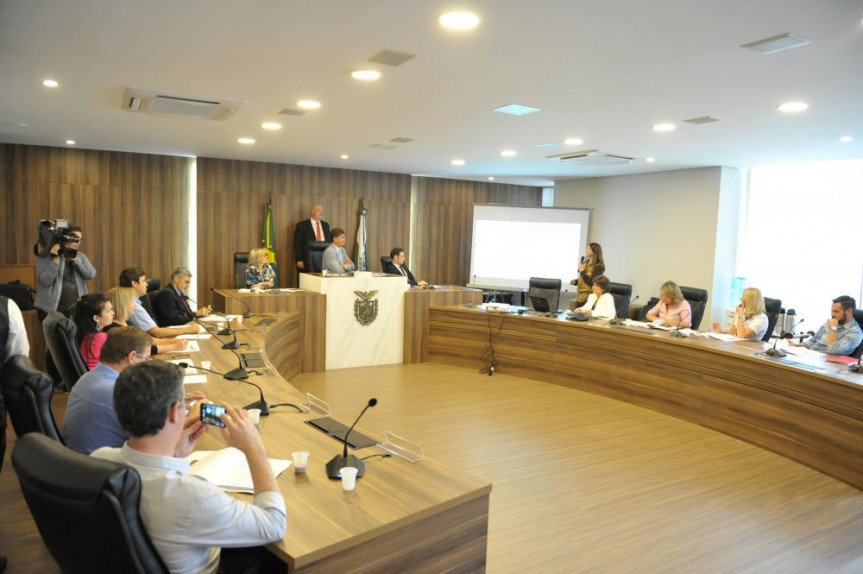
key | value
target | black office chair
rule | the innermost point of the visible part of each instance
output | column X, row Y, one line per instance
column 697, row 301
column 651, row 303
column 385, row 260
column 27, row 393
column 548, row 289
column 2, row 456
column 858, row 316
column 315, row 256
column 241, row 261
column 60, row 334
column 771, row 307
column 622, row 294
column 147, row 300
column 85, row 508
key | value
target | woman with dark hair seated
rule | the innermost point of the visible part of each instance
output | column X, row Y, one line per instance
column 91, row 314
column 600, row 303
column 673, row 310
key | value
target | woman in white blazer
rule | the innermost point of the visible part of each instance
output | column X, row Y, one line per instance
column 600, row 303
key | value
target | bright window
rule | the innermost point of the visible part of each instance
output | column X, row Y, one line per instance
column 802, row 240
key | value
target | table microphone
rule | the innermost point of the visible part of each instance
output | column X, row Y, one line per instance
column 230, row 344
column 338, row 462
column 247, row 314
column 259, row 404
column 227, row 330
column 858, row 368
column 773, row 351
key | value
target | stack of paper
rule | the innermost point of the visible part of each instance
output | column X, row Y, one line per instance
column 228, row 468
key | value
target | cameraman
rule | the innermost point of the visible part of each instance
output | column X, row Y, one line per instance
column 63, row 275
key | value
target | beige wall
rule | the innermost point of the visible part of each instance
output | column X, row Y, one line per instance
column 672, row 225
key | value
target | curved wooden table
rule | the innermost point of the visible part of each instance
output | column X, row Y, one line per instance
column 812, row 413
column 400, row 512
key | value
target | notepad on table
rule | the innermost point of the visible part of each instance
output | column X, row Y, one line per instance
column 228, row 469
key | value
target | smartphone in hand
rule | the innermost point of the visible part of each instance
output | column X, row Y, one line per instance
column 210, row 414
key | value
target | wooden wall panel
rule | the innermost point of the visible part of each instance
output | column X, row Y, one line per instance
column 133, row 207
column 232, row 199
column 443, row 223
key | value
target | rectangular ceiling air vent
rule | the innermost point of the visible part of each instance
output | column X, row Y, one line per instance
column 292, row 112
column 778, row 43
column 391, row 58
column 701, row 120
column 402, row 140
column 592, row 157
column 179, row 106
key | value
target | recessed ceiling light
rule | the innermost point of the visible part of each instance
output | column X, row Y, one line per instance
column 459, row 20
column 366, row 75
column 508, row 153
column 50, row 83
column 664, row 127
column 650, row 160
column 246, row 141
column 345, row 156
column 516, row 110
column 70, row 142
column 791, row 107
column 846, row 139
column 457, row 162
column 309, row 104
column 573, row 141
column 272, row 126
column 491, row 178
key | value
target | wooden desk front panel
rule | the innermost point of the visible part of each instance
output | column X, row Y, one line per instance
column 813, row 416
column 421, row 517
column 417, row 303
column 312, row 309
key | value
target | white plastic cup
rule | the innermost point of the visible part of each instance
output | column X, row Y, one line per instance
column 255, row 415
column 301, row 460
column 349, row 478
column 324, row 272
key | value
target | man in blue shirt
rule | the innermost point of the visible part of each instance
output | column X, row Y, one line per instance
column 90, row 420
column 841, row 334
column 135, row 278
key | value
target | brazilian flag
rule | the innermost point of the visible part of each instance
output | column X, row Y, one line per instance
column 268, row 241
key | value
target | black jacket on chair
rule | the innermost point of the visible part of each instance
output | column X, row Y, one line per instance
column 305, row 233
column 391, row 269
column 171, row 308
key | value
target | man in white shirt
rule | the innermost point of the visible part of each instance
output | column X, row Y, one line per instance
column 187, row 518
column 12, row 329
column 336, row 259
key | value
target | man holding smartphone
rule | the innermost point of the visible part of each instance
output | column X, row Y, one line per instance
column 188, row 519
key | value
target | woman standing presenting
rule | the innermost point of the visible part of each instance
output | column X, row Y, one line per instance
column 591, row 266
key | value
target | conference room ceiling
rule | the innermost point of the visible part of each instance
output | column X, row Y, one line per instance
column 604, row 72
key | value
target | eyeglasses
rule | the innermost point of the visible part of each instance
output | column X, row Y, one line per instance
column 143, row 357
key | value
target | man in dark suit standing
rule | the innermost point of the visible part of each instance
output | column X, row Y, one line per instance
column 397, row 267
column 312, row 229
column 171, row 304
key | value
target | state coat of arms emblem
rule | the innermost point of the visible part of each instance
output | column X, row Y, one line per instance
column 365, row 307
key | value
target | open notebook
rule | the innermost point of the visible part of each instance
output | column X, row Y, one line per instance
column 227, row 468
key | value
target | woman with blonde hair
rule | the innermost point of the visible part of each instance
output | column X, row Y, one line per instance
column 592, row 265
column 673, row 310
column 259, row 273
column 751, row 321
column 123, row 301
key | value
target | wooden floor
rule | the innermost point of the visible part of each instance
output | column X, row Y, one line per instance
column 581, row 483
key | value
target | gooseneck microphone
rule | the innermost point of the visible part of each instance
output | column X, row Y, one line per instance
column 225, row 331
column 261, row 403
column 858, row 368
column 773, row 351
column 338, row 462
column 247, row 314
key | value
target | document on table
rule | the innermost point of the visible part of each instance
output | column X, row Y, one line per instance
column 228, row 469
column 197, row 336
column 191, row 347
column 191, row 375
column 724, row 337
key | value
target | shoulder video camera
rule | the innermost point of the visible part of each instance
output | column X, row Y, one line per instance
column 51, row 233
